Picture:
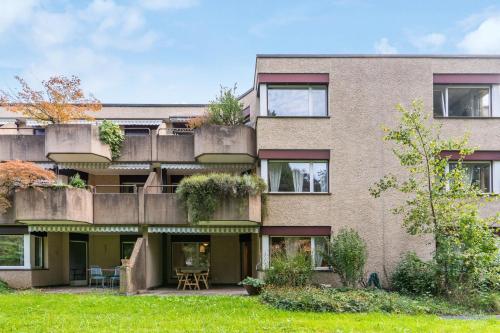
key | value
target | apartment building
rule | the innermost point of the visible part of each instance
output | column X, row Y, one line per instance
column 314, row 134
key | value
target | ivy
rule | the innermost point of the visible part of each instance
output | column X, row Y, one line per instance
column 111, row 134
column 202, row 193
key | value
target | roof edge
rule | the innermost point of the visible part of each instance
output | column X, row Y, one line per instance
column 152, row 105
column 460, row 56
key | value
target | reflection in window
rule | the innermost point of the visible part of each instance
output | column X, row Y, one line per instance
column 190, row 254
column 11, row 250
column 39, row 252
column 298, row 176
column 126, row 249
column 476, row 173
column 291, row 246
column 462, row 101
column 308, row 101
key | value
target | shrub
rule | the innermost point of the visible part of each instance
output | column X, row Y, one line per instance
column 414, row 276
column 250, row 281
column 202, row 193
column 76, row 181
column 226, row 109
column 347, row 255
column 355, row 300
column 111, row 134
column 4, row 287
column 292, row 271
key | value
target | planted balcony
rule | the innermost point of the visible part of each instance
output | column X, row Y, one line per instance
column 224, row 144
column 75, row 143
column 223, row 198
column 52, row 204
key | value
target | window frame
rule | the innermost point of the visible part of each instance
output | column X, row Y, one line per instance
column 41, row 255
column 296, row 87
column 463, row 86
column 313, row 250
column 26, row 253
column 490, row 163
column 311, row 172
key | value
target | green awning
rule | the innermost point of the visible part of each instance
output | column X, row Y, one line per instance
column 205, row 230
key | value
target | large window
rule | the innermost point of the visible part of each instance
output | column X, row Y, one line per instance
column 476, row 173
column 298, row 176
column 291, row 246
column 297, row 101
column 12, row 250
column 190, row 254
column 462, row 101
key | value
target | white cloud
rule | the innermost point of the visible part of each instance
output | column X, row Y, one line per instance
column 14, row 12
column 52, row 28
column 168, row 4
column 430, row 41
column 485, row 39
column 383, row 46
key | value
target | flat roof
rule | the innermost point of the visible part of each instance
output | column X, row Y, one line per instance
column 296, row 55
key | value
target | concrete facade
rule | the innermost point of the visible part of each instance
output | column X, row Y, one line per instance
column 362, row 92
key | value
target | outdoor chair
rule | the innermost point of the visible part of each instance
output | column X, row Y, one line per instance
column 204, row 277
column 115, row 277
column 96, row 275
column 181, row 277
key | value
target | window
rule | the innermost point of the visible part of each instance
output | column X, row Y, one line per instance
column 135, row 131
column 462, row 101
column 296, row 101
column 298, row 176
column 39, row 252
column 190, row 254
column 315, row 246
column 12, row 250
column 476, row 173
column 126, row 249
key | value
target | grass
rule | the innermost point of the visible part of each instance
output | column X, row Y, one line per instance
column 38, row 312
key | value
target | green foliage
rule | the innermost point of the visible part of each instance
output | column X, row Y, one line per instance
column 356, row 300
column 111, row 134
column 291, row 271
column 226, row 109
column 4, row 287
column 414, row 276
column 347, row 255
column 440, row 202
column 250, row 281
column 76, row 181
column 203, row 193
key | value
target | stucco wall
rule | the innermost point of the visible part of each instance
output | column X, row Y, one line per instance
column 104, row 250
column 54, row 273
column 362, row 95
column 154, row 260
column 225, row 259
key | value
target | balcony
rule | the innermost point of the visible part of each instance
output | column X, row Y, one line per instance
column 116, row 208
column 175, row 148
column 57, row 205
column 224, row 144
column 75, row 143
column 167, row 209
column 136, row 148
column 22, row 147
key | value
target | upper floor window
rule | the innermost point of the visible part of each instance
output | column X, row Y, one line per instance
column 477, row 174
column 297, row 100
column 298, row 176
column 462, row 100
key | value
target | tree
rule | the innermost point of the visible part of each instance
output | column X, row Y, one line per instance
column 61, row 100
column 15, row 175
column 440, row 201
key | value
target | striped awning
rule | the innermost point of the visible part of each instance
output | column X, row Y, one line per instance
column 46, row 165
column 83, row 228
column 4, row 121
column 205, row 230
column 122, row 122
column 109, row 166
column 208, row 166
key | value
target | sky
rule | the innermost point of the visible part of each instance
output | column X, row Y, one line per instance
column 182, row 51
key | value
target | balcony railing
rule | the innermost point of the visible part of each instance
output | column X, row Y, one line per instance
column 111, row 206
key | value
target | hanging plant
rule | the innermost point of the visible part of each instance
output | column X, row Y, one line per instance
column 202, row 193
column 111, row 134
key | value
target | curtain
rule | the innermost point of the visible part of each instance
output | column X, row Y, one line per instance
column 468, row 174
column 298, row 180
column 274, row 176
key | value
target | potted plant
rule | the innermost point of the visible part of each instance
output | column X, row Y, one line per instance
column 252, row 286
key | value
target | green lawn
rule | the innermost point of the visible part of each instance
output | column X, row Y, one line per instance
column 37, row 312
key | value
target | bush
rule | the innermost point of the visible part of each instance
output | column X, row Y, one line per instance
column 202, row 193
column 355, row 300
column 347, row 255
column 414, row 276
column 291, row 271
column 111, row 134
column 4, row 287
column 250, row 281
column 76, row 181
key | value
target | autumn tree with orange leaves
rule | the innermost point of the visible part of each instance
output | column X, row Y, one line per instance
column 15, row 175
column 61, row 100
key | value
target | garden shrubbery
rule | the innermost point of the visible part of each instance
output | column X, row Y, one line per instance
column 4, row 287
column 414, row 276
column 354, row 300
column 289, row 271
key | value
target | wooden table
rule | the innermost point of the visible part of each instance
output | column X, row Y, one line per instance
column 192, row 277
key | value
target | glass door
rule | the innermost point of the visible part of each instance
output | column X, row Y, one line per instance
column 78, row 262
